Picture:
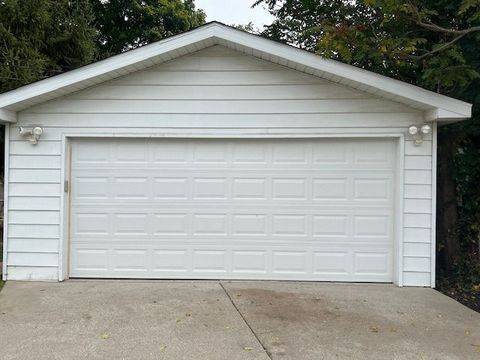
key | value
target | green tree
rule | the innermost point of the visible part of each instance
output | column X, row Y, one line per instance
column 41, row 38
column 431, row 43
column 127, row 24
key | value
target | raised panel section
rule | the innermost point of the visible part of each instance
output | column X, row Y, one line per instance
column 210, row 224
column 372, row 189
column 170, row 224
column 285, row 225
column 372, row 263
column 289, row 189
column 371, row 226
column 91, row 188
column 330, row 225
column 249, row 262
column 331, row 263
column 249, row 188
column 289, row 262
column 212, row 261
column 210, row 188
column 249, row 224
column 170, row 188
column 132, row 260
column 330, row 189
column 168, row 261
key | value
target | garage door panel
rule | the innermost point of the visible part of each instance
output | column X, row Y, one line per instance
column 254, row 209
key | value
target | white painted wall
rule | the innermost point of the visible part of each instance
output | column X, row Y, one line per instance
column 214, row 91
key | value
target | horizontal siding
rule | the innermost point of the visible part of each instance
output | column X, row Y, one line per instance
column 418, row 191
column 34, row 190
column 35, row 162
column 420, row 177
column 192, row 78
column 230, row 92
column 418, row 162
column 33, row 273
column 39, row 231
column 419, row 264
column 32, row 259
column 417, row 220
column 417, row 235
column 418, row 206
column 285, row 106
column 424, row 149
column 32, row 176
column 33, row 203
column 152, row 121
column 34, row 217
column 416, row 250
column 411, row 278
column 22, row 147
column 20, row 245
column 214, row 91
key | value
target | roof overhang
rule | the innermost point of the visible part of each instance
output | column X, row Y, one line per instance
column 436, row 107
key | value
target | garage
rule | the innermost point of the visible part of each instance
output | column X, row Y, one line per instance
column 218, row 154
column 303, row 209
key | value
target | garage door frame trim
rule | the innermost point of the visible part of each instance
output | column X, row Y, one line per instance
column 64, row 244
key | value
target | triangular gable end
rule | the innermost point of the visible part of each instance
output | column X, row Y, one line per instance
column 435, row 106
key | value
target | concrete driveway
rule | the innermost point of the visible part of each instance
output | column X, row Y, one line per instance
column 210, row 320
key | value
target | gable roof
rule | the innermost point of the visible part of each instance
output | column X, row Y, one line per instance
column 435, row 106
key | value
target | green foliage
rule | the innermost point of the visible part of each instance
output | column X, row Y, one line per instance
column 41, row 38
column 127, row 24
column 250, row 27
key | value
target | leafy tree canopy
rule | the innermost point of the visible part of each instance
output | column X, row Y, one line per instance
column 127, row 24
column 40, row 38
column 427, row 42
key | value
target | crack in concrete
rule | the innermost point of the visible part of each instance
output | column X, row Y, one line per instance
column 245, row 320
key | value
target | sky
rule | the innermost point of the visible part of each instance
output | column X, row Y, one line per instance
column 234, row 12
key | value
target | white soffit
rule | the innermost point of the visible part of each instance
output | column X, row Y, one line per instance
column 436, row 106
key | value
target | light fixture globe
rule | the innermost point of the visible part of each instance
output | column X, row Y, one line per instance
column 413, row 130
column 426, row 129
column 37, row 131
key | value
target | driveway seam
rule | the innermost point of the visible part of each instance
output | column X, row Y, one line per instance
column 245, row 320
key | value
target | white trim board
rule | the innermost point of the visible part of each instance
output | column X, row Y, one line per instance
column 398, row 265
column 435, row 106
column 6, row 175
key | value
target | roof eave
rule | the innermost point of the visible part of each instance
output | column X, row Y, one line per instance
column 436, row 106
column 7, row 116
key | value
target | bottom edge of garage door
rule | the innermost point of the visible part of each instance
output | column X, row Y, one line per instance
column 333, row 278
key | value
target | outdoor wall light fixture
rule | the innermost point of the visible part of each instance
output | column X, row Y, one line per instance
column 419, row 132
column 32, row 134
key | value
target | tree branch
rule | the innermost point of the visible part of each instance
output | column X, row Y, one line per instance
column 437, row 28
column 440, row 48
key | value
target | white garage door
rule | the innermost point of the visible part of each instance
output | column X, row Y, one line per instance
column 303, row 209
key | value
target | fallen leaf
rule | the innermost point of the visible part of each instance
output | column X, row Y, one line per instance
column 374, row 329
column 248, row 348
column 105, row 336
column 162, row 348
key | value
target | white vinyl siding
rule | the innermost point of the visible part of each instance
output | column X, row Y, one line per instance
column 215, row 91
